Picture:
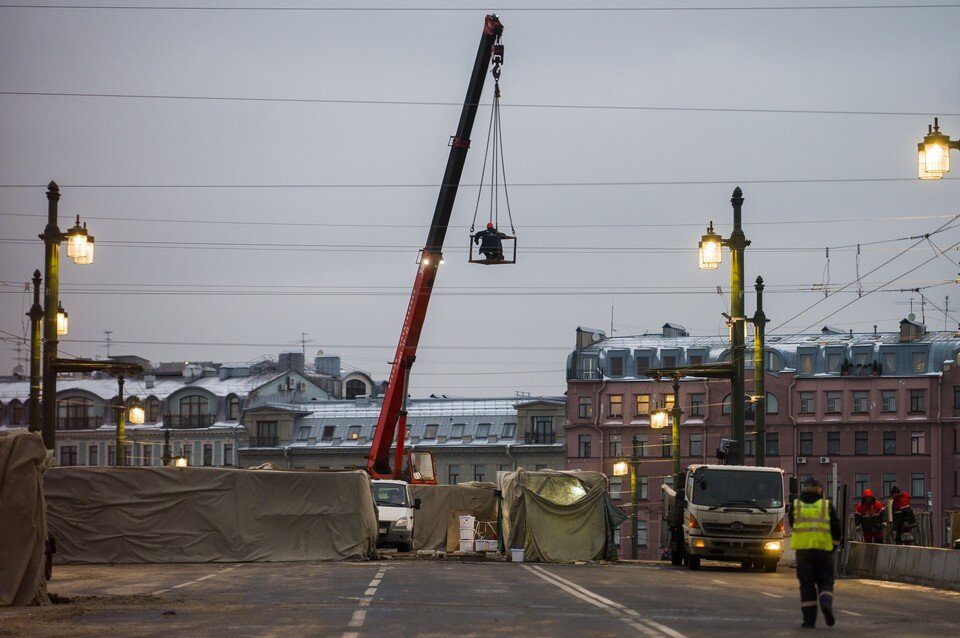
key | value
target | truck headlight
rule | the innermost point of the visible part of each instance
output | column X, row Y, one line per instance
column 699, row 543
column 773, row 546
column 402, row 524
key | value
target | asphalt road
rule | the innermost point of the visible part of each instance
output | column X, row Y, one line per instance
column 407, row 597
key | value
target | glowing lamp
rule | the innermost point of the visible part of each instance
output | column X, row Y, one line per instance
column 63, row 321
column 136, row 414
column 80, row 244
column 659, row 419
column 621, row 468
column 936, row 154
column 180, row 461
column 710, row 250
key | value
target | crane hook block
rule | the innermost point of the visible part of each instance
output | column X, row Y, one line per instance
column 498, row 54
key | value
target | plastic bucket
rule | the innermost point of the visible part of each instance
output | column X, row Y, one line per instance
column 467, row 534
column 466, row 546
column 467, row 521
column 516, row 554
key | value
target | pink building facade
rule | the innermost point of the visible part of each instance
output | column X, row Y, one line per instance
column 885, row 408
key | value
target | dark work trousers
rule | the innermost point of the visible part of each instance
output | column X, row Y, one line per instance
column 815, row 573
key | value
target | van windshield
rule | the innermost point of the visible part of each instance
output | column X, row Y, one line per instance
column 730, row 488
column 391, row 495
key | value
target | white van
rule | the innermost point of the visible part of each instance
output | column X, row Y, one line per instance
column 396, row 509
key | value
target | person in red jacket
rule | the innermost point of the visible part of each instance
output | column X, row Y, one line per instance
column 868, row 516
column 904, row 520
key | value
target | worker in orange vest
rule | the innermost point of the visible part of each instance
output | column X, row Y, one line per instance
column 868, row 517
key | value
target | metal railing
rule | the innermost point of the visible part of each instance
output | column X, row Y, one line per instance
column 189, row 420
column 264, row 441
column 542, row 438
column 922, row 535
column 79, row 422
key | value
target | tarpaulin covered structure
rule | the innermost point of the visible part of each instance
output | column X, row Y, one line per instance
column 172, row 515
column 559, row 517
column 23, row 529
column 437, row 502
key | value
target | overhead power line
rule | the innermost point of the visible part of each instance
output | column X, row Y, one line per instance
column 443, row 103
column 556, row 9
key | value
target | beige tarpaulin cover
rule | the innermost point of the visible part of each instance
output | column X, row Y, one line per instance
column 436, row 503
column 170, row 515
column 23, row 530
column 557, row 517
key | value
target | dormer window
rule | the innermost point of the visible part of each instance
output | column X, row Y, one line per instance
column 483, row 430
column 834, row 361
column 353, row 432
column 233, row 408
column 456, row 432
column 430, row 432
column 327, row 435
column 616, row 366
column 303, row 433
column 918, row 362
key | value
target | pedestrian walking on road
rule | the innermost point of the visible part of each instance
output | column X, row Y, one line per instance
column 816, row 533
column 868, row 516
column 904, row 520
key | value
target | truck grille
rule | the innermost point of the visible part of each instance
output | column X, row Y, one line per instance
column 736, row 529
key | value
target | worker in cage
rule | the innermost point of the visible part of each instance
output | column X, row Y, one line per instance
column 491, row 242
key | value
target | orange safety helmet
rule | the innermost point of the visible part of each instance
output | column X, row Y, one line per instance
column 868, row 492
column 489, row 224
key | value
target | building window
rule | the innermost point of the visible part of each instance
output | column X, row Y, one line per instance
column 889, row 363
column 453, row 474
column 888, row 401
column 429, row 433
column 266, row 434
column 68, row 455
column 642, row 485
column 303, row 433
column 833, row 362
column 773, row 362
column 918, row 485
column 233, row 408
column 750, row 445
column 93, row 455
column 353, row 432
column 616, row 536
column 187, row 452
column 586, row 408
column 616, row 405
column 697, row 402
column 616, row 366
column 325, row 436
column 111, row 455
column 506, row 467
column 889, row 480
column 479, row 473
column 773, row 404
column 696, row 359
column 228, row 454
column 355, row 388
column 918, row 401
column 153, row 410
column 147, row 455
column 889, row 442
column 860, row 402
column 192, row 409
column 666, row 445
column 483, row 429
column 643, row 404
column 583, row 446
column 643, row 364
column 641, row 533
column 668, row 402
column 616, row 484
column 806, row 443
column 773, row 444
column 456, row 432
column 589, row 366
column 208, row 454
column 72, row 413
column 861, row 442
column 918, row 362
column 615, row 449
column 696, row 445
column 918, row 443
column 806, row 363
column 640, row 447
column 833, row 403
column 669, row 361
column 860, row 484
column 509, row 430
column 806, row 402
column 833, row 443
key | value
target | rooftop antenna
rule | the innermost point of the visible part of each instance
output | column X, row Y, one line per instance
column 108, row 333
column 946, row 310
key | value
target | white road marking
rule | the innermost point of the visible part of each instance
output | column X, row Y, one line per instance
column 720, row 582
column 850, row 613
column 351, row 634
column 766, row 593
column 358, row 617
column 374, row 582
column 628, row 616
column 921, row 588
column 194, row 581
column 370, row 592
column 189, row 582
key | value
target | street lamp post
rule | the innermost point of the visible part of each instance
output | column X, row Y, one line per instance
column 80, row 249
column 621, row 468
column 934, row 152
column 710, row 255
column 759, row 373
column 121, row 425
column 36, row 317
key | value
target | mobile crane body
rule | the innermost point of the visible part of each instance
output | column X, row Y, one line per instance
column 391, row 424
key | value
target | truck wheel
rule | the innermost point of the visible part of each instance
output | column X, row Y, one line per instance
column 693, row 562
column 676, row 558
column 746, row 565
column 403, row 547
column 770, row 565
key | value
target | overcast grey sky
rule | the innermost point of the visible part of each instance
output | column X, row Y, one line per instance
column 225, row 228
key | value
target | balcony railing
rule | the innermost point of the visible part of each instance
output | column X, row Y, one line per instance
column 264, row 441
column 189, row 420
column 539, row 438
column 79, row 422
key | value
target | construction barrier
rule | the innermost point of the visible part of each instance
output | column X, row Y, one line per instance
column 928, row 566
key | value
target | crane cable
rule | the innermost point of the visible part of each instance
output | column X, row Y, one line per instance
column 498, row 174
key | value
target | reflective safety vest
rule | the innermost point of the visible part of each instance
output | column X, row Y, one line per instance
column 811, row 525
